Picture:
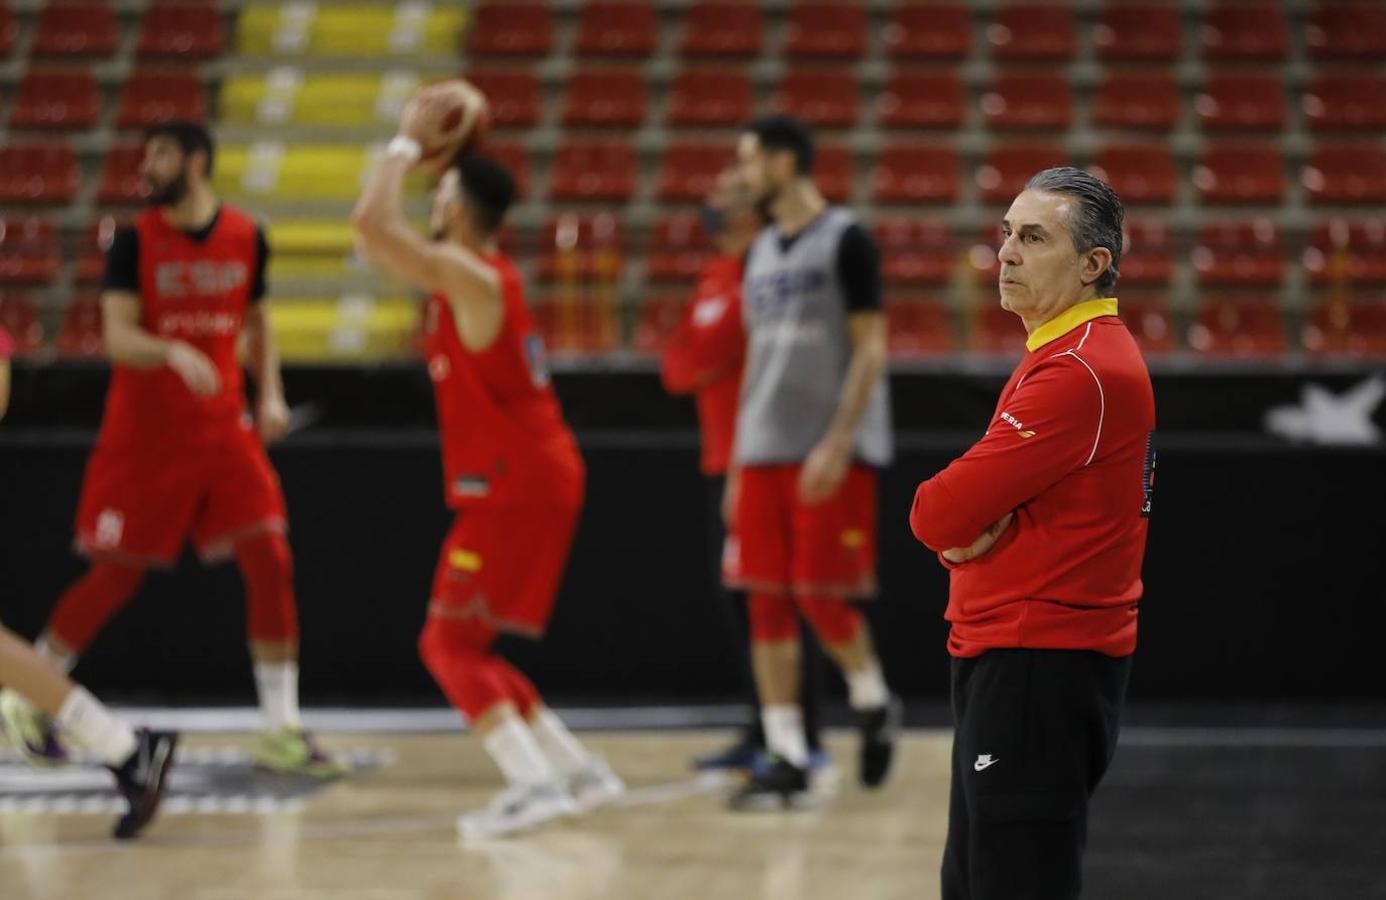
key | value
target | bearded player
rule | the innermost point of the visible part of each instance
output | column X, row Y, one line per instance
column 513, row 472
column 178, row 455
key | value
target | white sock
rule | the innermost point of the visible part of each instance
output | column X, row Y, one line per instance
column 558, row 743
column 64, row 661
column 94, row 728
column 866, row 688
column 784, row 732
column 514, row 748
column 277, row 684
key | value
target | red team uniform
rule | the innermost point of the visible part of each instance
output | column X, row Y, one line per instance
column 512, row 471
column 169, row 464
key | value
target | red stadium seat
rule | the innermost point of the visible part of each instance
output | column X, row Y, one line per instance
column 679, row 248
column 513, row 96
column 933, row 31
column 160, row 95
column 1032, row 31
column 605, row 97
column 1238, row 328
column 511, row 155
column 701, row 97
column 1241, row 173
column 918, row 326
column 1139, row 173
column 824, row 99
column 657, row 319
column 1147, row 256
column 28, row 251
column 86, row 30
column 1145, row 33
column 19, row 316
column 915, row 251
column 1248, row 254
column 1351, row 173
column 38, row 173
column 56, row 100
column 1242, row 100
column 995, row 330
column 586, row 238
column 616, row 28
column 913, row 173
column 181, row 30
column 1348, row 101
column 587, row 169
column 1347, row 253
column 922, row 100
column 511, row 28
column 1138, row 99
column 1245, row 31
column 1148, row 319
column 79, row 335
column 722, row 29
column 121, row 184
column 1346, row 31
column 687, row 171
column 1342, row 327
column 836, row 30
column 1007, row 167
column 9, row 30
column 1032, row 100
column 832, row 172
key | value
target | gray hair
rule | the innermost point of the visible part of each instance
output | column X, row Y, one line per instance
column 1097, row 220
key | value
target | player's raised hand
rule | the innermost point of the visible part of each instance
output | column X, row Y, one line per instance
column 985, row 541
column 196, row 370
column 824, row 470
column 272, row 419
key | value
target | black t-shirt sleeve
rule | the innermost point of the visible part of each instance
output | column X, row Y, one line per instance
column 262, row 255
column 123, row 261
column 859, row 269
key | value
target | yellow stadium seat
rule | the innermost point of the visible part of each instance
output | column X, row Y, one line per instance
column 350, row 29
column 351, row 328
column 275, row 170
column 289, row 96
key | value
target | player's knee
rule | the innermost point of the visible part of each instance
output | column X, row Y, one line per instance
column 772, row 618
column 834, row 620
column 469, row 675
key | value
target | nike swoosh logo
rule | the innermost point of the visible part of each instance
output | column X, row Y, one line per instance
column 981, row 764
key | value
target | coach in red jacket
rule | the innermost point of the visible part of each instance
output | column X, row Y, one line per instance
column 1042, row 524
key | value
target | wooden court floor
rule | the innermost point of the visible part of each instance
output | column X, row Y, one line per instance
column 387, row 833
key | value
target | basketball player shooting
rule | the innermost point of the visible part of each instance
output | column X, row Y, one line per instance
column 513, row 472
column 178, row 454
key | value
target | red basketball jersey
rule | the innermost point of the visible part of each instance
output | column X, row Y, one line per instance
column 504, row 439
column 196, row 292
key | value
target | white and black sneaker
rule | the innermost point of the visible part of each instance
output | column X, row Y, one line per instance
column 878, row 728
column 516, row 809
column 782, row 785
column 595, row 785
column 142, row 778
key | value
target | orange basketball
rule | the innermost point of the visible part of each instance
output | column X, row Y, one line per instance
column 462, row 123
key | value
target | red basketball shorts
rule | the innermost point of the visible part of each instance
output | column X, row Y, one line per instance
column 139, row 504
column 503, row 566
column 785, row 546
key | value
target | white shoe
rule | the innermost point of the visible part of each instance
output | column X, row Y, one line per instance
column 515, row 809
column 595, row 784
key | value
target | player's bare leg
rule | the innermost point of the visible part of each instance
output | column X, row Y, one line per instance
column 81, row 612
column 140, row 760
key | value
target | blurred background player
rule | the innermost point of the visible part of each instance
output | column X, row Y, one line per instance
column 813, row 426
column 178, row 454
column 513, row 474
column 140, row 760
column 704, row 357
